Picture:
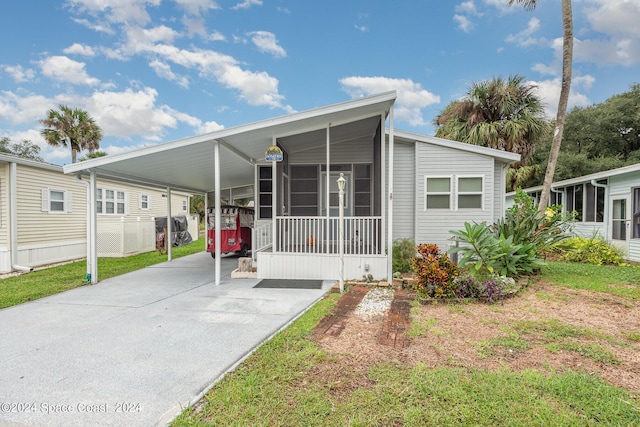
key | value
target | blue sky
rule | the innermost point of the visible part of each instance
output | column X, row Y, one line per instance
column 152, row 71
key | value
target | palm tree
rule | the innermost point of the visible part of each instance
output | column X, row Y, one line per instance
column 71, row 127
column 567, row 59
column 498, row 113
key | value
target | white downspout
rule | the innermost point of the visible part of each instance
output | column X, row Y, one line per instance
column 88, row 244
column 13, row 219
column 606, row 205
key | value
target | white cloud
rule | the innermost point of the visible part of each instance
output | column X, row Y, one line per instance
column 207, row 127
column 412, row 98
column 131, row 12
column 79, row 49
column 163, row 70
column 19, row 74
column 468, row 7
column 502, row 5
column 246, row 4
column 549, row 92
column 63, row 69
column 524, row 38
column 464, row 23
column 615, row 17
column 197, row 7
column 266, row 42
column 131, row 113
column 362, row 28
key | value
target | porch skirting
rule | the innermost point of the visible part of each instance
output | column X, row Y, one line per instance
column 319, row 266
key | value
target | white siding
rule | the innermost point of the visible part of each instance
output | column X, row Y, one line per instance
column 404, row 197
column 433, row 226
column 4, row 206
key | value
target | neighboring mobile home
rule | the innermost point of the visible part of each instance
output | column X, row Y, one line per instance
column 398, row 185
column 43, row 215
column 607, row 204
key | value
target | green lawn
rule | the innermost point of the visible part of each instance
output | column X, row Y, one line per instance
column 278, row 385
column 41, row 283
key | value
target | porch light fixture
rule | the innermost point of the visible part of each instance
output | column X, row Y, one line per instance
column 341, row 184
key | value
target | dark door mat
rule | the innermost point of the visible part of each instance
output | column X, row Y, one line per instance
column 289, row 284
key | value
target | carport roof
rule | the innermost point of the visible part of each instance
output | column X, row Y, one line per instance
column 188, row 164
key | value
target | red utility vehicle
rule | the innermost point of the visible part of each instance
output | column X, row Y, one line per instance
column 236, row 223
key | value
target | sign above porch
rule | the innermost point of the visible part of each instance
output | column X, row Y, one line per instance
column 273, row 154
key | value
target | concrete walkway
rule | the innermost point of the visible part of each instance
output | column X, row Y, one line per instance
column 134, row 349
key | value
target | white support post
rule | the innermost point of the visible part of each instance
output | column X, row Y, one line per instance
column 383, row 177
column 218, row 204
column 93, row 228
column 167, row 238
column 206, row 220
column 274, row 197
column 390, row 214
column 256, row 215
column 328, row 179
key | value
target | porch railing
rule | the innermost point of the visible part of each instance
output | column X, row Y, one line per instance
column 263, row 237
column 320, row 235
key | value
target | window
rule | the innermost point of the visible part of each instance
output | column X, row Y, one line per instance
column 574, row 200
column 184, row 205
column 636, row 213
column 110, row 202
column 594, row 204
column 56, row 201
column 470, row 193
column 266, row 194
column 437, row 193
column 144, row 202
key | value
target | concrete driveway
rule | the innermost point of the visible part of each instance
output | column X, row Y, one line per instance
column 134, row 349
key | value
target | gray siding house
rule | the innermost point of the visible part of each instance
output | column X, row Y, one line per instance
column 398, row 185
column 607, row 205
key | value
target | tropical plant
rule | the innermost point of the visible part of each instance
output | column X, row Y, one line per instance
column 403, row 252
column 74, row 128
column 492, row 255
column 497, row 113
column 567, row 59
column 435, row 272
column 524, row 224
column 93, row 155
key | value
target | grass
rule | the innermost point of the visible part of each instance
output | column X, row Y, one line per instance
column 290, row 381
column 621, row 281
column 41, row 283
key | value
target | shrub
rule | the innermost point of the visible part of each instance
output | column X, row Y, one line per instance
column 595, row 250
column 489, row 290
column 403, row 252
column 524, row 224
column 494, row 255
column 435, row 272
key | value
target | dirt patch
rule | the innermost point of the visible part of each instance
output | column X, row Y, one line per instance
column 547, row 328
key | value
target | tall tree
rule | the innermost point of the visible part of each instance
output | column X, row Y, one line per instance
column 93, row 155
column 71, row 127
column 567, row 59
column 26, row 148
column 500, row 113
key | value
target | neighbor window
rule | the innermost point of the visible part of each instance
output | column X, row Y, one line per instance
column 110, row 202
column 144, row 202
column 437, row 192
column 594, row 203
column 56, row 201
column 470, row 192
column 184, row 205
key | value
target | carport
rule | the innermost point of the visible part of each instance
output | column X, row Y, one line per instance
column 229, row 158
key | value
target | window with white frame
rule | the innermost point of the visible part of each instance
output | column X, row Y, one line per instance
column 144, row 202
column 110, row 202
column 56, row 201
column 469, row 192
column 185, row 208
column 437, row 194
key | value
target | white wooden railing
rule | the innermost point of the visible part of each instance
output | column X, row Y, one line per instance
column 263, row 237
column 362, row 235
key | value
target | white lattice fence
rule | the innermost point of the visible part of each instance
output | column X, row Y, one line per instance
column 121, row 237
